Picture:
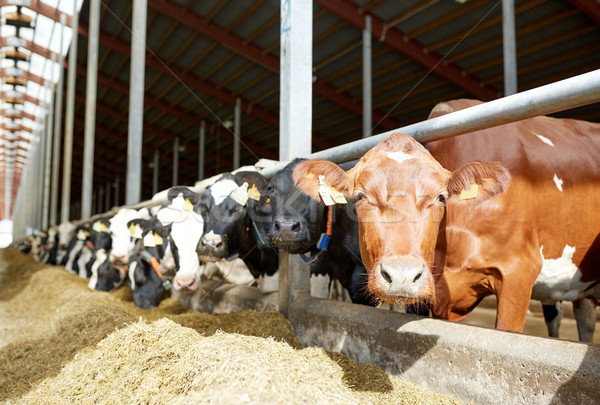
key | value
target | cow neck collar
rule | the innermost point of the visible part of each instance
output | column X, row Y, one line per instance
column 324, row 239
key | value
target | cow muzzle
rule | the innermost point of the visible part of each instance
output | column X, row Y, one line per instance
column 290, row 235
column 213, row 246
column 401, row 279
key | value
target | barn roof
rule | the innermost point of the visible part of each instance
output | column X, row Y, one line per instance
column 203, row 55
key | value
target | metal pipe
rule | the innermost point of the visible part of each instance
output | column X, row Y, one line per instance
column 237, row 135
column 367, row 93
column 57, row 125
column 133, row 186
column 155, row 173
column 295, row 122
column 562, row 95
column 202, row 150
column 90, row 109
column 176, row 161
column 69, row 118
column 509, row 47
column 47, row 170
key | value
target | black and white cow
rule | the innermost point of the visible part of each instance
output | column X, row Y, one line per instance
column 65, row 235
column 147, row 281
column 50, row 247
column 186, row 228
column 79, row 240
column 329, row 234
column 231, row 230
column 103, row 276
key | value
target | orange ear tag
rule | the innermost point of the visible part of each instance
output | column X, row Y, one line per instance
column 468, row 194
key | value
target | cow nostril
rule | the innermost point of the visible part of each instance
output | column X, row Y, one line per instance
column 296, row 226
column 276, row 224
column 386, row 276
column 218, row 244
column 418, row 276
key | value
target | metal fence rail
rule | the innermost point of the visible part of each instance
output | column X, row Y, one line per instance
column 562, row 95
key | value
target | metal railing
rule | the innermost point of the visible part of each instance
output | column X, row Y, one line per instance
column 562, row 95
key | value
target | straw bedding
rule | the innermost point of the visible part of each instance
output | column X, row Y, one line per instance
column 63, row 343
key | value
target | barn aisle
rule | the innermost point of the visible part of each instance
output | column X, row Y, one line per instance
column 61, row 342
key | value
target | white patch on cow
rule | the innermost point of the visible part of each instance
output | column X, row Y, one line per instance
column 186, row 235
column 86, row 256
column 72, row 254
column 268, row 284
column 560, row 279
column 212, row 235
column 221, row 190
column 101, row 257
column 235, row 272
column 558, row 182
column 319, row 285
column 65, row 233
column 399, row 157
column 131, row 273
column 545, row 140
column 122, row 245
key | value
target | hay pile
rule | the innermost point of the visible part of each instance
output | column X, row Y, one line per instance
column 62, row 343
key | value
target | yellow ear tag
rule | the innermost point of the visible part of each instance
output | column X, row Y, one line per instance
column 136, row 231
column 324, row 192
column 254, row 193
column 99, row 227
column 81, row 235
column 468, row 194
column 158, row 240
column 337, row 196
column 187, row 205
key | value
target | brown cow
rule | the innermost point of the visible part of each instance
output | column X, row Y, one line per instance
column 454, row 230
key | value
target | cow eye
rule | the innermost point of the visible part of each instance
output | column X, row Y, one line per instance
column 441, row 198
column 360, row 196
column 270, row 189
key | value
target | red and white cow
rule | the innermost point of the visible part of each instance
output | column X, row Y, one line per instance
column 447, row 226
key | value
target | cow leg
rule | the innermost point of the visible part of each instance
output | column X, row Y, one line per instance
column 513, row 303
column 553, row 315
column 585, row 315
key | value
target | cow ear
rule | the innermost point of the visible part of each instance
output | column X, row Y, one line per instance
column 478, row 181
column 306, row 177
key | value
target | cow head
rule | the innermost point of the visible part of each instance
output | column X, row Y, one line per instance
column 148, row 282
column 401, row 194
column 225, row 207
column 186, row 228
column 65, row 234
column 123, row 244
column 104, row 276
column 296, row 220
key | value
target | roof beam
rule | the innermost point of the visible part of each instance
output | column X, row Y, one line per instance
column 399, row 41
column 589, row 7
column 258, row 55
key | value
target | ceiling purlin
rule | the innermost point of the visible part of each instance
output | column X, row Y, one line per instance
column 589, row 7
column 413, row 49
column 260, row 56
